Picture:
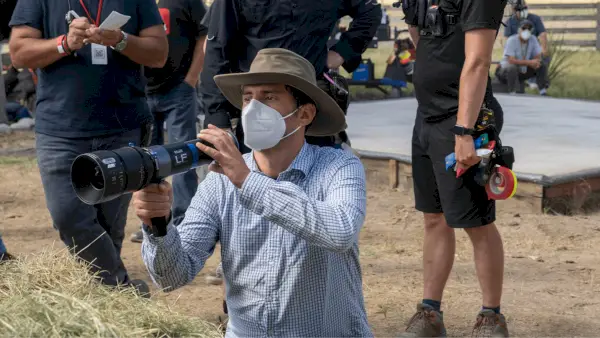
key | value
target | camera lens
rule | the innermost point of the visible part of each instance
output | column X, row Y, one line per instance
column 85, row 168
column 98, row 180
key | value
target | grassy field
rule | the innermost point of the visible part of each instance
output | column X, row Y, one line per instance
column 579, row 80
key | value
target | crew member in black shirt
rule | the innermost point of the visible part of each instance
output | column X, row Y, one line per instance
column 171, row 90
column 450, row 75
column 238, row 29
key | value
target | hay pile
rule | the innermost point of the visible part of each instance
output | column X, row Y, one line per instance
column 50, row 294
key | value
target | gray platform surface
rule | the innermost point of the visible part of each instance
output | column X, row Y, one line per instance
column 550, row 136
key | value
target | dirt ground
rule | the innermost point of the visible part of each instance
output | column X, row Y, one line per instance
column 551, row 261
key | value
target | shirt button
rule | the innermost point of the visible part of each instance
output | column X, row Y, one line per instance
column 271, row 262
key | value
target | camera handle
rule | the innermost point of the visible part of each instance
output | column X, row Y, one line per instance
column 159, row 224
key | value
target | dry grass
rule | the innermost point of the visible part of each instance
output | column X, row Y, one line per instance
column 50, row 294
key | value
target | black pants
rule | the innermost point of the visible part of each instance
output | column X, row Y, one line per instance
column 515, row 79
column 464, row 202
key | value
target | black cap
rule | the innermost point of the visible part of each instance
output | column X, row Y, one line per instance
column 519, row 5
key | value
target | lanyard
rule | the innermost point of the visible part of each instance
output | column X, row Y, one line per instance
column 97, row 22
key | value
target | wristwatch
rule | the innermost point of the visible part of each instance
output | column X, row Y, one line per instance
column 121, row 44
column 462, row 131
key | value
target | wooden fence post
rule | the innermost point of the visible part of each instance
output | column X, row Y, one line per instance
column 598, row 26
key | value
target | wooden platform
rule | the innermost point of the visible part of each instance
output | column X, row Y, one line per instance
column 556, row 145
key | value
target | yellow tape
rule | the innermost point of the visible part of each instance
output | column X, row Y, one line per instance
column 516, row 183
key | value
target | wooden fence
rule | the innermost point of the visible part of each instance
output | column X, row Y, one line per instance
column 566, row 36
column 572, row 18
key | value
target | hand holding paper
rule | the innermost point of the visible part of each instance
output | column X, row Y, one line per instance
column 114, row 21
column 108, row 34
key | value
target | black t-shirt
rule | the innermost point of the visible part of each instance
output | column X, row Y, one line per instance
column 6, row 9
column 183, row 23
column 76, row 98
column 440, row 60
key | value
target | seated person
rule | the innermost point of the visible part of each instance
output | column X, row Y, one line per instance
column 287, row 215
column 18, row 115
column 17, row 89
column 522, row 60
column 400, row 65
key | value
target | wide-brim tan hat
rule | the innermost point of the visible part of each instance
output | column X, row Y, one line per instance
column 277, row 65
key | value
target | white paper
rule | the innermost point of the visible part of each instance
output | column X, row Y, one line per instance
column 114, row 21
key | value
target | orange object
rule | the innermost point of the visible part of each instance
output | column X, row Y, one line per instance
column 502, row 184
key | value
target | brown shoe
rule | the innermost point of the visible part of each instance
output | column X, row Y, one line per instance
column 425, row 323
column 490, row 324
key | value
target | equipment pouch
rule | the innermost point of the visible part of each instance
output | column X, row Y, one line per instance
column 435, row 21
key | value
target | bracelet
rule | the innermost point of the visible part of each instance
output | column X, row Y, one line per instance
column 60, row 45
column 65, row 44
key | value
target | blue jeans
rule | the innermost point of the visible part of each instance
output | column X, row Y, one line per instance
column 178, row 108
column 16, row 111
column 81, row 226
column 2, row 246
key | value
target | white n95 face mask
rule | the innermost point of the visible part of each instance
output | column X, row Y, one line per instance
column 263, row 126
column 525, row 34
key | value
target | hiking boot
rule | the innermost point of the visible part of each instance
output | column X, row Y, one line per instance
column 427, row 322
column 141, row 287
column 6, row 257
column 490, row 324
column 137, row 237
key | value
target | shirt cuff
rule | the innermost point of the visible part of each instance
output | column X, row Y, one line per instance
column 351, row 59
column 253, row 191
column 165, row 240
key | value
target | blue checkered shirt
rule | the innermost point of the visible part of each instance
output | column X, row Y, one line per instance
column 289, row 246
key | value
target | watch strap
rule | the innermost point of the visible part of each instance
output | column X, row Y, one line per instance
column 121, row 44
column 461, row 131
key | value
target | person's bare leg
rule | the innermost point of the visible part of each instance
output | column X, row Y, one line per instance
column 438, row 256
column 489, row 262
column 439, row 246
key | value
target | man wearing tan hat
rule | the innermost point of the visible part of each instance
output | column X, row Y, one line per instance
column 287, row 215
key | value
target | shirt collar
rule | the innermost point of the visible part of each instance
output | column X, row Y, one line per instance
column 302, row 163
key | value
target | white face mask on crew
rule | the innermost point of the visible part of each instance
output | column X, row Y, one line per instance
column 263, row 126
column 525, row 34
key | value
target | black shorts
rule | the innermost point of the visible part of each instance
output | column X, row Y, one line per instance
column 464, row 202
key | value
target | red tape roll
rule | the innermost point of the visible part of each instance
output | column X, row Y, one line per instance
column 502, row 184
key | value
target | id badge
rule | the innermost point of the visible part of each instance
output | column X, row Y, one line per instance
column 99, row 54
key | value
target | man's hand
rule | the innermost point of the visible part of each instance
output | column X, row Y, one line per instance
column 153, row 201
column 334, row 60
column 77, row 33
column 535, row 63
column 192, row 82
column 229, row 160
column 464, row 150
column 104, row 37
